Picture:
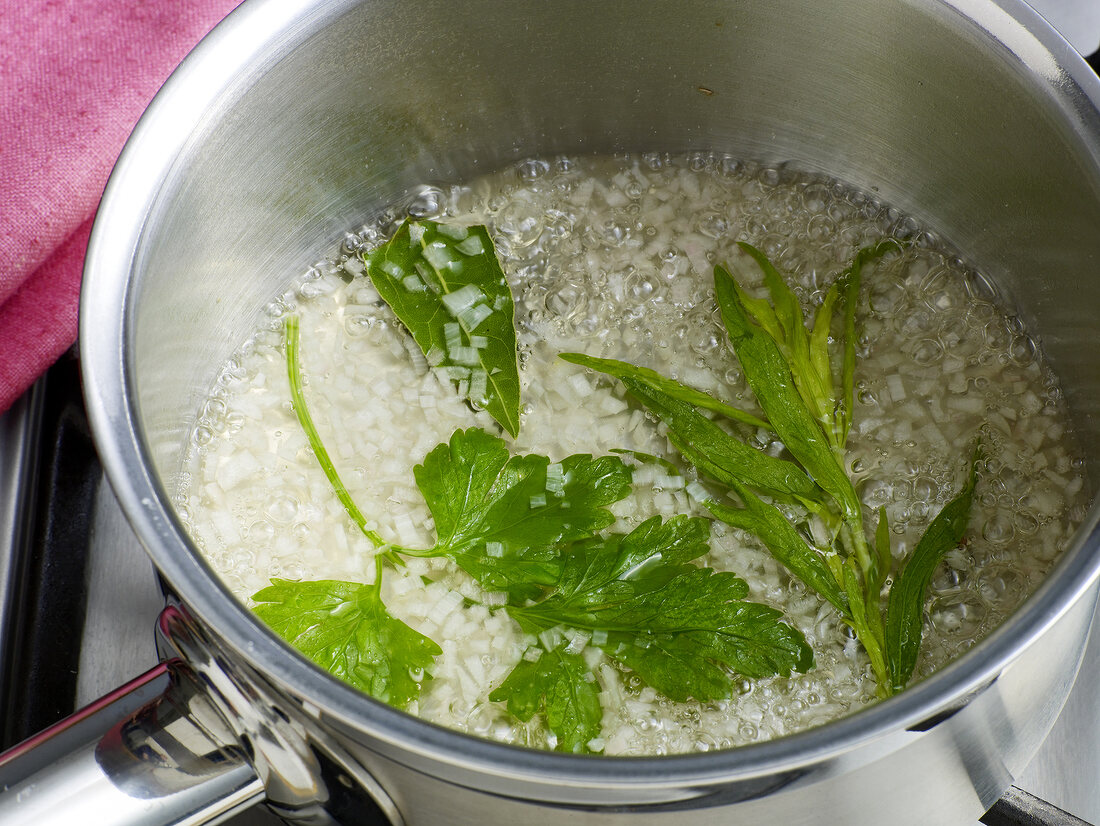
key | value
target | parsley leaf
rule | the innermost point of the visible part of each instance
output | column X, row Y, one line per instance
column 447, row 287
column 502, row 518
column 587, row 567
column 560, row 685
column 700, row 632
column 682, row 628
column 345, row 628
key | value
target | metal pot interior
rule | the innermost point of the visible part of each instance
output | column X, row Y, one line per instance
column 291, row 125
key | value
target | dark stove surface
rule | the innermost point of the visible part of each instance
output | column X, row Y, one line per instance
column 78, row 596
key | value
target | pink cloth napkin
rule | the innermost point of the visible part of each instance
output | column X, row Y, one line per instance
column 75, row 75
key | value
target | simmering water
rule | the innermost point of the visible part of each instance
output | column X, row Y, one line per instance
column 614, row 257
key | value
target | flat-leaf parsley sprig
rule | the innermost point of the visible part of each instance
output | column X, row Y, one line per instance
column 534, row 530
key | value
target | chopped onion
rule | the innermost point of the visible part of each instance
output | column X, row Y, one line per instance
column 471, row 246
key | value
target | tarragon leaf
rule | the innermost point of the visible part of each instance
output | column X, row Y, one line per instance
column 345, row 629
column 667, row 386
column 831, row 411
column 787, row 307
column 559, row 685
column 446, row 286
column 819, row 342
column 808, row 406
column 643, row 458
column 882, row 559
column 849, row 282
column 784, row 543
column 905, row 610
column 813, row 380
column 501, row 517
column 707, row 446
column 769, row 375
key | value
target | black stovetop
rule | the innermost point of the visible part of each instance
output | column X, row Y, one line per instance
column 78, row 597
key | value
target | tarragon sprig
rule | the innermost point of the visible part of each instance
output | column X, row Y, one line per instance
column 807, row 400
column 345, row 628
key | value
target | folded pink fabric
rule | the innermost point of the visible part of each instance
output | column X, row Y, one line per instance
column 75, row 75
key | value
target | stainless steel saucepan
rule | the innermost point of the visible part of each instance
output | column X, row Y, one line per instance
column 296, row 119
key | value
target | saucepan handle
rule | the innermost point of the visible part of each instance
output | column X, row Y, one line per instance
column 148, row 754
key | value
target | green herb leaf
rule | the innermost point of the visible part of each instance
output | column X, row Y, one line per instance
column 769, row 376
column 882, row 559
column 345, row 629
column 589, row 566
column 680, row 627
column 501, row 518
column 820, row 360
column 784, row 543
column 787, row 309
column 812, row 378
column 643, row 458
column 706, row 445
column 831, row 409
column 849, row 282
column 447, row 287
column 905, row 611
column 865, row 618
column 700, row 632
column 560, row 685
column 668, row 387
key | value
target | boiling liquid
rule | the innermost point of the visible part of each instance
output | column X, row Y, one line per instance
column 614, row 258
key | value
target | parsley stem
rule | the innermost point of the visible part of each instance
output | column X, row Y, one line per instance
column 297, row 399
column 378, row 567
